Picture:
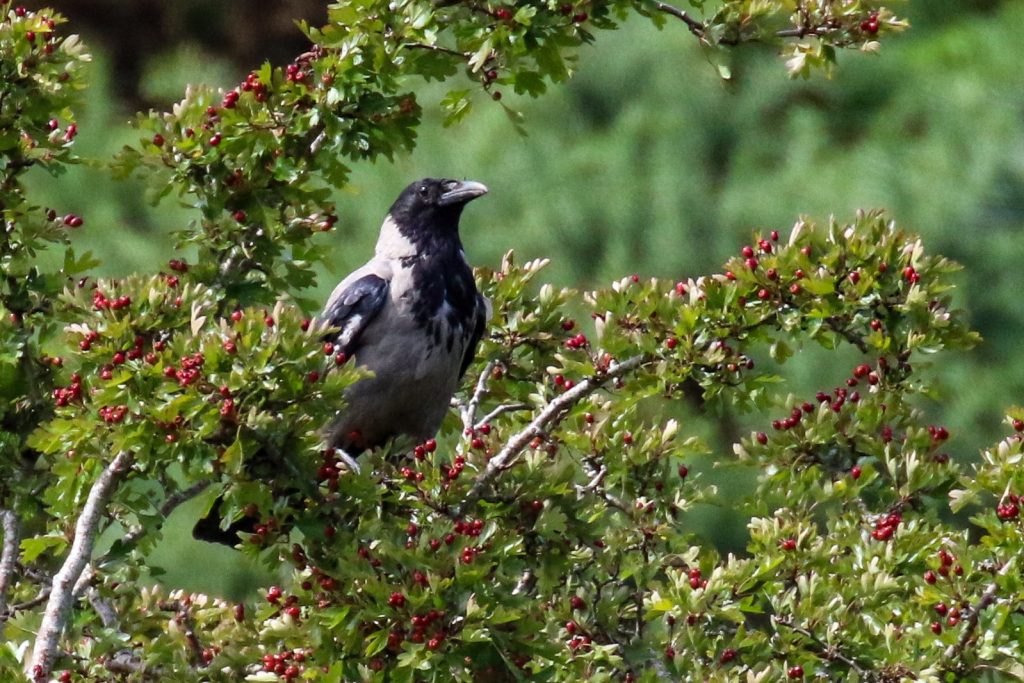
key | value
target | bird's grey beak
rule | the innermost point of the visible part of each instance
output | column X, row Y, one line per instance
column 460, row 192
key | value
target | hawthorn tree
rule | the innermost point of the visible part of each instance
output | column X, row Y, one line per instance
column 540, row 535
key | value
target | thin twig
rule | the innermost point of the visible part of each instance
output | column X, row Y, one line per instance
column 699, row 29
column 39, row 599
column 58, row 607
column 469, row 412
column 102, row 606
column 696, row 27
column 438, row 48
column 987, row 598
column 551, row 414
column 836, row 327
column 500, row 410
column 525, row 582
column 826, row 651
column 184, row 618
column 594, row 482
column 169, row 506
column 9, row 555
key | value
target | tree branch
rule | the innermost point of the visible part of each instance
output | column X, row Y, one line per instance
column 699, row 29
column 58, row 607
column 500, row 410
column 696, row 27
column 470, row 409
column 9, row 555
column 438, row 48
column 169, row 506
column 825, row 651
column 987, row 598
column 551, row 414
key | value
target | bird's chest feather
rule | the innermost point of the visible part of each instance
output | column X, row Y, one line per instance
column 429, row 320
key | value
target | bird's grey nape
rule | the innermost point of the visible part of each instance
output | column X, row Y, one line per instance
column 392, row 243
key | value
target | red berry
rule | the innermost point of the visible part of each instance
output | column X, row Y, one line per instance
column 936, row 628
column 788, row 544
column 795, row 672
column 239, row 216
column 762, row 438
column 728, row 655
column 855, row 472
column 215, row 140
column 929, row 577
column 670, row 652
column 576, row 602
column 236, row 315
column 396, row 600
column 683, row 471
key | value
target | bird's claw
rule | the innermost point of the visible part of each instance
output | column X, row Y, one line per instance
column 349, row 461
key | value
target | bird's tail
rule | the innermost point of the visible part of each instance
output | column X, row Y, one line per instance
column 209, row 527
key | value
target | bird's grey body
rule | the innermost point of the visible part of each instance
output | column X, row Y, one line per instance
column 413, row 316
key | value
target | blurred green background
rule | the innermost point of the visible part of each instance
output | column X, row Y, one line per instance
column 645, row 163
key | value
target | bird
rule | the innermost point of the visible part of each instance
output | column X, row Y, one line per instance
column 412, row 316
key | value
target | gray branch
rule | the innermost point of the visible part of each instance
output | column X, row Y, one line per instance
column 954, row 651
column 58, row 607
column 9, row 555
column 551, row 414
column 469, row 411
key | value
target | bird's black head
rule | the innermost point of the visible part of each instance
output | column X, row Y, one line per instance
column 431, row 207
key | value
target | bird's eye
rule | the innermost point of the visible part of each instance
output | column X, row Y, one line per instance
column 423, row 191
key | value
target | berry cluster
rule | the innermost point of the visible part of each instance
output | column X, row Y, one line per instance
column 696, row 578
column 100, row 302
column 189, row 370
column 287, row 664
column 1009, row 507
column 578, row 341
column 885, row 526
column 253, row 84
column 870, row 25
column 947, row 565
column 113, row 414
column 421, row 450
column 419, row 624
column 64, row 395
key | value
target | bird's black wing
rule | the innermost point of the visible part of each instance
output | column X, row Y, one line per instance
column 353, row 309
column 479, row 324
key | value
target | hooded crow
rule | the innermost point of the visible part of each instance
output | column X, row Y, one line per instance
column 413, row 316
